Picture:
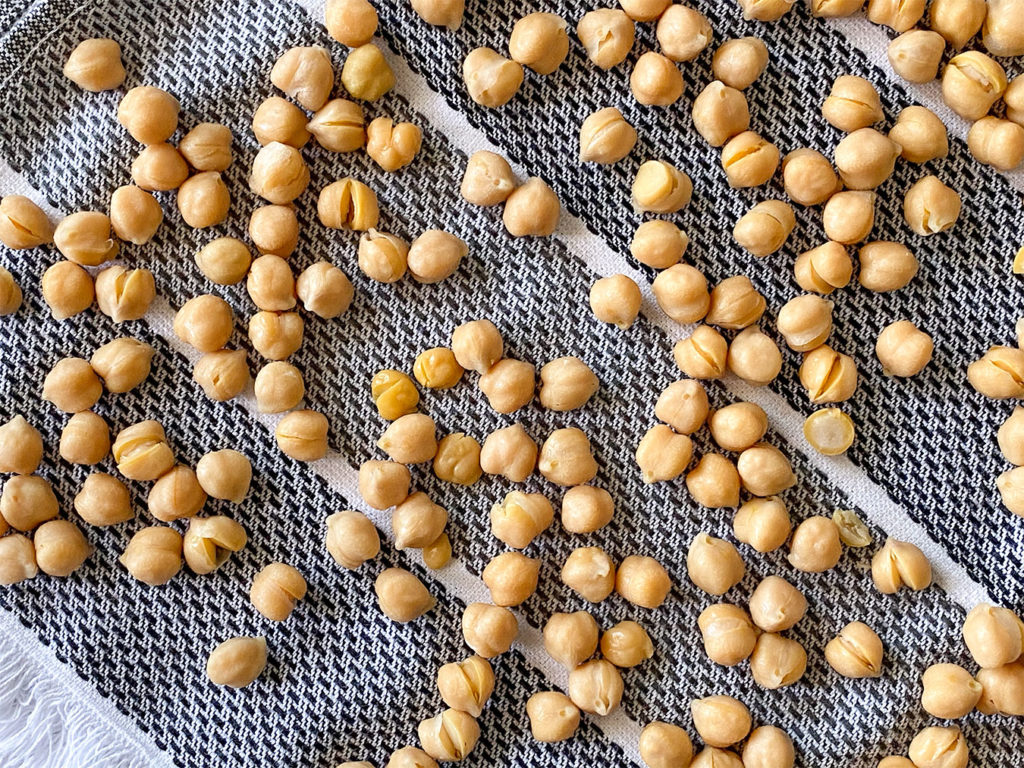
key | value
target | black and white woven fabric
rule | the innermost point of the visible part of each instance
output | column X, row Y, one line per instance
column 100, row 670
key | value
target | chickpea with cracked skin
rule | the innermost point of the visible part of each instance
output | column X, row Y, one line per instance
column 749, row 160
column 596, row 687
column 520, row 517
column 351, row 538
column 703, row 354
column 616, row 300
column 898, row 15
column 765, row 10
column 466, row 685
column 491, row 79
column 853, row 103
column 735, row 304
column 714, row 482
column 553, row 716
column 939, row 747
column 972, row 83
column 141, row 451
column 531, row 210
column 23, row 224
column 656, row 80
column 153, row 556
column 764, row 229
column 509, row 385
column 898, row 564
column 340, row 126
column 740, row 62
column 449, row 736
column 302, row 435
column 305, row 74
column 539, row 41
column 394, row 394
column 606, row 137
column 124, row 294
column 996, row 373
column 276, row 589
column 828, row 376
column 856, row 652
column 392, row 145
column 607, row 36
column 805, row 322
column 659, row 187
column 824, row 268
column 84, row 238
column 210, row 541
column 682, row 293
column 659, row 244
column 930, row 207
column 727, row 633
column 663, row 454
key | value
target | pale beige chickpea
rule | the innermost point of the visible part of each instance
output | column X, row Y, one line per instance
column 123, row 363
column 749, row 160
column 805, row 322
column 225, row 474
column 720, row 112
column 835, row 8
column 903, row 349
column 754, row 357
column 1010, row 437
column 271, row 284
column 738, row 426
column 643, row 581
column 566, row 383
column 764, row 524
column 276, row 335
column 768, row 747
column 727, row 633
column 606, row 137
column 815, row 546
column 939, row 747
column 511, row 578
column 607, row 35
column 808, row 177
column 776, row 605
column 302, row 435
column 401, row 596
column 720, row 720
column 279, row 387
column 663, row 745
column 338, row 126
column 159, row 168
column 520, row 517
column 996, row 142
column 866, row 158
column 410, row 757
column 207, row 147
column 451, row 735
column 508, row 384
column 570, row 638
column 828, row 376
column 659, row 187
column 853, row 103
column 849, row 216
column 971, row 83
column 823, row 269
column 125, row 294
column 949, row 691
column 175, row 495
column 95, row 65
column 899, row 15
column 996, row 375
column 237, row 662
column 644, row 10
column 410, row 439
column 27, row 501
column 350, row 22
column 441, row 13
column 531, row 210
column 276, row 589
column 930, row 207
column 714, row 482
column 566, row 458
column 366, row 74
column 103, row 500
column 663, row 454
column 141, row 451
column 590, row 573
column 539, row 41
column 777, row 661
column 916, row 54
column 435, row 255
column 553, row 716
column 683, row 33
column 703, row 354
column 898, row 564
column 324, row 290
column 1002, row 690
column 739, row 62
column 203, row 200
column 72, row 385
column 149, row 114
column 682, row 293
column 714, row 565
column 351, row 538
column 135, row 215
column 466, row 685
column 683, row 405
column 489, row 629
column 477, row 345
column 383, row 484
column 488, row 179
column 392, row 145
column 23, row 224
column 84, row 238
column 626, row 645
column 886, row 266
column 656, row 80
column 67, row 290
column 765, row 10
column 586, row 509
column 305, row 74
column 278, row 120
column 222, row 374
column 224, row 261
column 204, row 322
column 992, row 635
column 659, row 244
column 60, row 547
column 382, row 256
column 616, row 300
column 764, row 229
column 10, row 293
column 279, row 174
column 21, row 446
column 153, row 555
column 596, row 687
column 209, row 542
column 458, row 459
column 921, row 135
column 509, row 452
column 1001, row 32
column 85, row 439
column 491, row 79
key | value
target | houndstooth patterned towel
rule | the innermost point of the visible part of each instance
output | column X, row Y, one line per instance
column 99, row 670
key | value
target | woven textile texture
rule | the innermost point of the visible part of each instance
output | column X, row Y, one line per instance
column 346, row 683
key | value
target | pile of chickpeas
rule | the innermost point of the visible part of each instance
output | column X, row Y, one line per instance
column 727, row 339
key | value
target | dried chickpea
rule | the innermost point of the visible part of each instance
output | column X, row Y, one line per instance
column 776, row 605
column 606, row 137
column 237, row 662
column 23, row 224
column 607, row 36
column 644, row 10
column 849, row 216
column 491, row 79
column 351, row 538
column 276, row 335
column 916, row 54
column 410, row 439
column 458, row 459
column 222, row 374
column 203, row 200
column 276, row 589
column 720, row 720
column 279, row 174
column 394, row 394
column 135, row 215
column 520, row 517
column 815, row 546
column 382, row 257
column 823, row 269
column 765, row 10
column 305, row 74
column 683, row 33
column 589, row 572
column 153, row 556
column 531, row 210
column 401, row 596
column 302, row 435
column 566, row 458
column 777, row 661
column 900, row 563
column 278, row 120
column 683, row 405
column 714, row 482
column 703, row 354
column 998, row 373
column 209, row 542
column 957, row 20
column 466, row 685
column 938, row 747
column 204, row 322
column 383, row 484
column 656, row 80
column 338, row 126
column 866, row 158
column 27, row 501
column 643, row 581
column 899, row 15
column 509, row 452
column 586, row 509
column 808, row 177
column 828, row 376
column 659, row 187
column 829, row 431
column 511, row 578
column 176, row 495
column 596, row 687
column 1003, row 690
column 225, row 474
column 749, row 160
column 350, row 22
column 682, row 293
column 885, row 266
column 84, row 238
column 663, row 454
column 1010, row 437
column 508, row 384
column 993, row 635
column 279, row 387
column 971, row 83
column 616, row 300
column 658, row 244
column 903, row 349
column 489, row 629
column 324, row 290
column 441, row 13
column 763, row 524
column 754, row 357
column 84, row 440
column 949, row 691
column 539, row 41
column 11, row 296
column 567, row 383
column 553, row 716
column 160, row 168
column 739, row 62
column 451, row 735
column 714, row 565
column 271, row 284
column 435, row 255
column 411, row 757
column 856, row 652
column 626, row 645
column 149, row 114
column 437, row 368
column 21, row 446
column 738, row 426
column 765, row 228
column 207, row 147
column 392, row 145
column 488, row 179
column 477, row 345
column 853, row 103
column 996, row 142
column 769, row 747
column 930, row 206
column 727, row 633
column 663, row 745
column 570, row 638
column 124, row 294
column 1001, row 32
column 72, row 385
column 95, row 65
column 224, row 261
column 805, row 322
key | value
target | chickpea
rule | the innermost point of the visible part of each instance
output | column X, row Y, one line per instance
column 382, row 257
column 1010, row 437
column 23, row 224
column 509, row 452
column 458, row 459
column 764, row 229
column 438, row 553
column 754, row 357
column 302, row 435
column 531, row 210
column 539, row 41
column 435, row 255
column 607, row 36
column 84, row 238
column 866, row 158
column 225, row 474
column 570, row 638
column 950, row 691
column 658, row 244
column 996, row 373
column 682, row 293
column 72, row 385
column 777, row 661
column 727, row 633
column 176, row 495
column 828, row 376
column 683, row 405
column 656, row 80
column 765, row 10
column 702, row 355
column 589, row 572
column 930, row 206
column 938, row 747
column 738, row 426
column 276, row 589
column 993, row 635
column 279, row 387
column 204, row 322
column 903, row 349
column 553, row 716
column 60, row 548
column 394, row 394
column 153, row 556
column 596, row 687
column 509, row 385
column 852, row 104
column 278, row 120
column 410, row 439
column 808, row 177
column 209, row 542
column 149, row 114
column 383, row 484
column 1002, row 689
column 643, row 581
column 441, row 13
column 683, row 33
column 451, row 735
column 520, row 517
column 350, row 22
column 135, row 215
column 957, row 20
column 916, row 54
column 644, row 10
column 511, row 578
column 886, row 266
column 769, row 747
column 159, row 168
column 626, row 645
column 586, row 509
column 207, row 147
column 95, row 65
column 815, row 546
column 663, row 454
column 996, row 142
column 660, row 188
column 849, row 216
column 616, row 300
column 714, row 482
column 279, row 174
column 437, row 368
column 764, row 524
column 11, row 296
column 401, row 596
column 739, row 62
column 663, row 745
column 324, row 290
column 971, row 83
column 351, row 538
column 1001, row 31
column 21, row 446
column 237, row 662
column 224, row 261
column 720, row 720
column 823, row 269
column 411, row 757
column 204, row 200
column 776, row 605
column 749, row 160
column 491, row 79
column 477, row 345
column 392, row 145
column 306, row 75
column 125, row 294
column 17, row 559
column 567, row 383
column 489, row 629
column 466, row 685
column 488, row 179
column 566, row 458
column 714, row 565
column 606, row 137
